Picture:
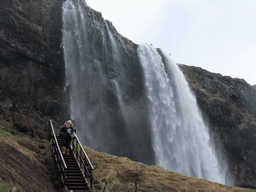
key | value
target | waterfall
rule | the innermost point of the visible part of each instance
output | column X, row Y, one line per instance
column 114, row 112
column 107, row 114
column 85, row 75
column 181, row 139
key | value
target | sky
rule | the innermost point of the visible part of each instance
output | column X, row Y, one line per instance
column 216, row 35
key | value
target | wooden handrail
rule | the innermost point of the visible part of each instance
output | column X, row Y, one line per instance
column 61, row 164
column 57, row 144
column 87, row 158
column 83, row 160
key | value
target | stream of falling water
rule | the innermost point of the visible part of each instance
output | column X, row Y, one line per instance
column 180, row 136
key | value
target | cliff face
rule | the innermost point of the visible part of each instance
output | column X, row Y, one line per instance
column 32, row 70
column 33, row 77
column 230, row 105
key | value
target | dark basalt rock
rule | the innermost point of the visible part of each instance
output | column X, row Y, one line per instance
column 32, row 69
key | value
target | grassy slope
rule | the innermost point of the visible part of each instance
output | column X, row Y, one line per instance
column 24, row 165
column 123, row 174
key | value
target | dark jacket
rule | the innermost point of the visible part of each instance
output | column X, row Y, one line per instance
column 65, row 132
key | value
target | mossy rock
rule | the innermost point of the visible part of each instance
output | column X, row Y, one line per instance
column 28, row 126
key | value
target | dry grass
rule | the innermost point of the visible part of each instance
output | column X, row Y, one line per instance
column 123, row 174
column 23, row 163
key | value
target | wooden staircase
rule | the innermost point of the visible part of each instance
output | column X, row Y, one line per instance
column 74, row 176
column 75, row 169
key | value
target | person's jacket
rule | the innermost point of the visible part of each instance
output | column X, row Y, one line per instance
column 66, row 132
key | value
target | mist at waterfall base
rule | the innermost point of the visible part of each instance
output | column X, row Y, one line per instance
column 144, row 111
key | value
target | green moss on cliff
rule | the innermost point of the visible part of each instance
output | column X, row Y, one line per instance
column 36, row 11
column 14, row 121
column 4, row 187
column 32, row 16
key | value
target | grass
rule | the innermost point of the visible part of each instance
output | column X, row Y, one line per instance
column 24, row 162
column 16, row 121
column 123, row 174
column 4, row 187
column 117, row 173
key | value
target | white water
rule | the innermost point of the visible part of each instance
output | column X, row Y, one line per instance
column 181, row 139
column 84, row 75
column 88, row 75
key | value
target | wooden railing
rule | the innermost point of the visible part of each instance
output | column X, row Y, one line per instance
column 61, row 165
column 83, row 161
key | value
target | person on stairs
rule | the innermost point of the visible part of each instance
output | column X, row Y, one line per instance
column 65, row 133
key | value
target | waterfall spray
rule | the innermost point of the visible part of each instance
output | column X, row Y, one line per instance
column 180, row 137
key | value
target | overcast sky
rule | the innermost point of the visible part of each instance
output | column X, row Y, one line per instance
column 217, row 35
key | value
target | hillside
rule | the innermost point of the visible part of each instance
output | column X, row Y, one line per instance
column 26, row 165
column 123, row 174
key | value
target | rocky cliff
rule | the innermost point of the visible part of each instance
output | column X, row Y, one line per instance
column 230, row 106
column 32, row 70
column 33, row 77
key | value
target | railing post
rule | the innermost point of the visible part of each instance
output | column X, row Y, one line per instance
column 91, row 178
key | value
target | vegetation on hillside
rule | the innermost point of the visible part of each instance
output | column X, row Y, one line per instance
column 123, row 174
column 25, row 163
column 15, row 121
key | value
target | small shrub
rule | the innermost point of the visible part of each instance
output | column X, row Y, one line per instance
column 5, row 124
column 4, row 188
column 29, row 126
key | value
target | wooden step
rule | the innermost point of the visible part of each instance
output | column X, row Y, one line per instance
column 76, row 180
column 73, row 168
column 78, row 188
column 84, row 184
column 73, row 171
column 75, row 177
